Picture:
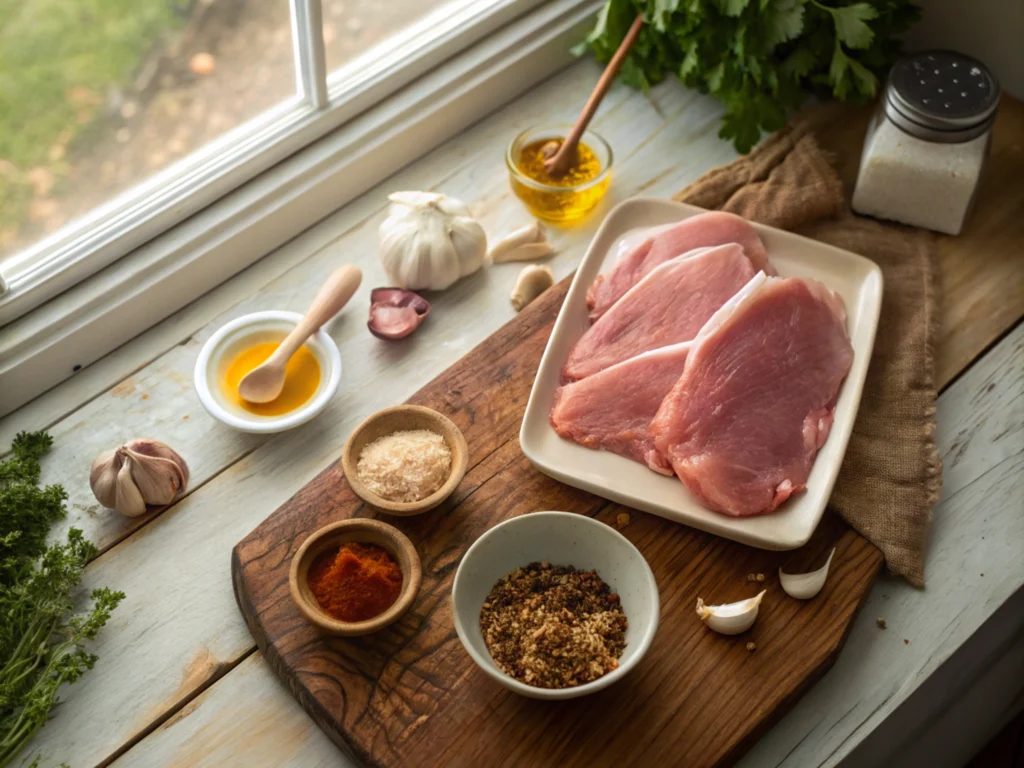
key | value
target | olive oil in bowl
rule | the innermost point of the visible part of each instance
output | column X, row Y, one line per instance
column 565, row 198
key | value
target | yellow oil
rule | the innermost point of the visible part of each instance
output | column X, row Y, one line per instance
column 301, row 379
column 559, row 205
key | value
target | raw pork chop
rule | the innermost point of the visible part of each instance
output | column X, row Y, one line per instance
column 705, row 230
column 742, row 425
column 613, row 409
column 668, row 306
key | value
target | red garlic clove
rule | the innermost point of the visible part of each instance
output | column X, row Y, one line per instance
column 395, row 312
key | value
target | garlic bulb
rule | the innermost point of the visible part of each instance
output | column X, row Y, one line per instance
column 730, row 618
column 140, row 472
column 429, row 240
column 804, row 586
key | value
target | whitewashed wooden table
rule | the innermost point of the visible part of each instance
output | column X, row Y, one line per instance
column 179, row 680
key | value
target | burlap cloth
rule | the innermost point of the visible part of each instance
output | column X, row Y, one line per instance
column 891, row 476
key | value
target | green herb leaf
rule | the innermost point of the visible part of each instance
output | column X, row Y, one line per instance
column 41, row 638
column 757, row 58
column 784, row 21
column 733, row 7
column 851, row 24
column 799, row 63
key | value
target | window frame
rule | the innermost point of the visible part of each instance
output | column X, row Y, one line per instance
column 323, row 102
column 96, row 315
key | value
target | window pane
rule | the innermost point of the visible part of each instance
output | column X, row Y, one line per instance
column 96, row 95
column 352, row 27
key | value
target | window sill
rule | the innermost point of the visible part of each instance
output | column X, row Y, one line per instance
column 51, row 343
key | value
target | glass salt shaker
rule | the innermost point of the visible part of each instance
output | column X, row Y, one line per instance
column 927, row 143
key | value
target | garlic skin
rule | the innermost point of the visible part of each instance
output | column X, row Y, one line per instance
column 804, row 586
column 730, row 618
column 524, row 244
column 139, row 473
column 531, row 283
column 429, row 240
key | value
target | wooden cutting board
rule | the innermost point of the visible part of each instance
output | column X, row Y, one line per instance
column 411, row 696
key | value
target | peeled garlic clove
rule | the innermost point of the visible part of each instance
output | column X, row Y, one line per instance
column 804, row 586
column 103, row 477
column 525, row 244
column 127, row 498
column 532, row 282
column 730, row 618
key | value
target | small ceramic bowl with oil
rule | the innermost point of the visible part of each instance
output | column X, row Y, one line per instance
column 570, row 197
column 241, row 345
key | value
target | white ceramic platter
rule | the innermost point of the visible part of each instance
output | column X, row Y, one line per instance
column 855, row 278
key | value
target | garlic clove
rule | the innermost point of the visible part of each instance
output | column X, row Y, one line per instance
column 150, row 447
column 531, row 283
column 158, row 480
column 730, row 618
column 524, row 244
column 804, row 586
column 103, row 477
column 395, row 312
column 127, row 498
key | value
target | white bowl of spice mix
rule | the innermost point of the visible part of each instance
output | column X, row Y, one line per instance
column 311, row 376
column 405, row 460
column 555, row 605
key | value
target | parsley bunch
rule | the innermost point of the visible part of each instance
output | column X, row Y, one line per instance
column 41, row 637
column 758, row 57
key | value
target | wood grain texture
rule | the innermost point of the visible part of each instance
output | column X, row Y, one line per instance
column 411, row 696
column 980, row 272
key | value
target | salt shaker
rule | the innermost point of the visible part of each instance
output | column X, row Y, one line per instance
column 927, row 143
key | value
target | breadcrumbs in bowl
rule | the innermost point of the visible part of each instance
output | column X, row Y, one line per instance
column 405, row 460
column 405, row 466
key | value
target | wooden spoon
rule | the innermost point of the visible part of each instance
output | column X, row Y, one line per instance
column 561, row 157
column 264, row 383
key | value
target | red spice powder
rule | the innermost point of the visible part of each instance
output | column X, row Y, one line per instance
column 355, row 582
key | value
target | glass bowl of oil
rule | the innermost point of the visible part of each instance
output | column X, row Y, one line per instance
column 559, row 199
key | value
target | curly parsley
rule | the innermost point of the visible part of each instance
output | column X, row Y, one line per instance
column 41, row 637
column 758, row 57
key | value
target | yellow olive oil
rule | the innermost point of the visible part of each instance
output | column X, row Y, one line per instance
column 301, row 379
column 578, row 196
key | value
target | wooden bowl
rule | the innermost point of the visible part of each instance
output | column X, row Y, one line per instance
column 364, row 531
column 397, row 419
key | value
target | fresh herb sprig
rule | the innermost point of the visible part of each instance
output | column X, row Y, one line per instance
column 42, row 639
column 758, row 57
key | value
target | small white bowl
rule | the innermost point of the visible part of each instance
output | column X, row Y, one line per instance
column 560, row 538
column 245, row 331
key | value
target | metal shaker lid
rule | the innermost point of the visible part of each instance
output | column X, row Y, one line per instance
column 941, row 96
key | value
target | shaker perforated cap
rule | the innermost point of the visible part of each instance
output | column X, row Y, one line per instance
column 941, row 96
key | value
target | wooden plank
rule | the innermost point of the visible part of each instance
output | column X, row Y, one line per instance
column 176, row 565
column 876, row 669
column 980, row 273
column 410, row 695
column 277, row 732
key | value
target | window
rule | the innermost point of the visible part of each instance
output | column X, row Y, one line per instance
column 189, row 138
column 120, row 118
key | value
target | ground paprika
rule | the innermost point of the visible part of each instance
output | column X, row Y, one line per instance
column 355, row 582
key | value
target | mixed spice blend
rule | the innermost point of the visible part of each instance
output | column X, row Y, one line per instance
column 551, row 626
